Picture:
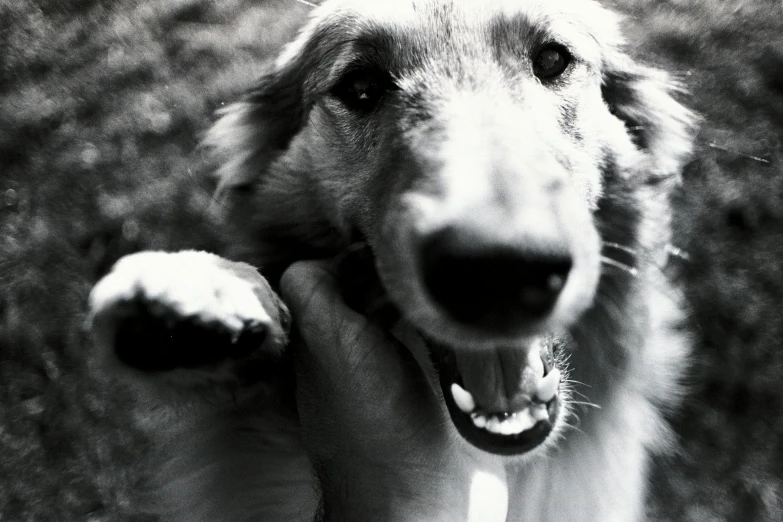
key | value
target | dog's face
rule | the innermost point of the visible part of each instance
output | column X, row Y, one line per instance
column 486, row 151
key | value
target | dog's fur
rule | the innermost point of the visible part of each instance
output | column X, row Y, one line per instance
column 468, row 136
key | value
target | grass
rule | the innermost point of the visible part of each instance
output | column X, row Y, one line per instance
column 102, row 107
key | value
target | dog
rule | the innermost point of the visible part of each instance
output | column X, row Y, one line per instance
column 500, row 171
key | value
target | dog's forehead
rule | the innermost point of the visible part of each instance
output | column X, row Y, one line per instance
column 583, row 24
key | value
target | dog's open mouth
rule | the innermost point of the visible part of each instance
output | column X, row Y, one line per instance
column 502, row 401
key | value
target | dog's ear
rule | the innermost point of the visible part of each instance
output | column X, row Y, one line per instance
column 643, row 98
column 251, row 133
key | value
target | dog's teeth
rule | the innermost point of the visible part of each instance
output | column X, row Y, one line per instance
column 539, row 412
column 493, row 425
column 547, row 387
column 513, row 424
column 508, row 426
column 525, row 421
column 522, row 421
column 463, row 398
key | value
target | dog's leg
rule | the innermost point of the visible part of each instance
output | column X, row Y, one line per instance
column 183, row 329
column 187, row 319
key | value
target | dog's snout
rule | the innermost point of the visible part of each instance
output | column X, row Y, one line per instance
column 491, row 284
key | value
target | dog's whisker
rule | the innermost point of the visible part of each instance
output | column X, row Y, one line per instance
column 584, row 403
column 737, row 152
column 618, row 246
column 572, row 381
column 305, row 2
column 677, row 252
column 616, row 264
column 574, row 392
column 572, row 422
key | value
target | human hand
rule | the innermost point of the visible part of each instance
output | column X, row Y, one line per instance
column 375, row 430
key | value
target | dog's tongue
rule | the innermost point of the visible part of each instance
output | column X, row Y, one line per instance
column 503, row 379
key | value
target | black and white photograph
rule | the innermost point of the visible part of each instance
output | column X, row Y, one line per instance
column 391, row 260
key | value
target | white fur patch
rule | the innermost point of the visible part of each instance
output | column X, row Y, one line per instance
column 188, row 284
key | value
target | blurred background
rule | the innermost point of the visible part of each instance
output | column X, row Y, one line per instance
column 102, row 104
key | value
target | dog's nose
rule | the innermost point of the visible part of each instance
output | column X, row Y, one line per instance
column 491, row 284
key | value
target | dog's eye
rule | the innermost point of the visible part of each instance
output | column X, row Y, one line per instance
column 551, row 61
column 362, row 89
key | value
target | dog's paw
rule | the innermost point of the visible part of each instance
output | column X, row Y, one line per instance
column 186, row 313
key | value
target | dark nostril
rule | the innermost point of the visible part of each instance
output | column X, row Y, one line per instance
column 490, row 284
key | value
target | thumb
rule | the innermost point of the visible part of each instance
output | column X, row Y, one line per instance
column 311, row 291
column 339, row 344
